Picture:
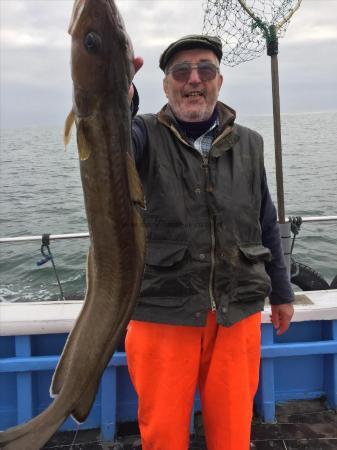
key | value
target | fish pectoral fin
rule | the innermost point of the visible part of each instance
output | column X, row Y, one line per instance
column 83, row 144
column 135, row 186
column 67, row 128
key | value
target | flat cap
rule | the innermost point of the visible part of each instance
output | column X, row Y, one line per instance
column 190, row 42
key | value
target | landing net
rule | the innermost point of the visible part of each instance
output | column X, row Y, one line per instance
column 244, row 26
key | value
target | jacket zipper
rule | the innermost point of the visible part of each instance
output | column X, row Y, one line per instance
column 209, row 188
column 211, row 276
column 212, row 225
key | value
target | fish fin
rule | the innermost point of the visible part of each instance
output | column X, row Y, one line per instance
column 61, row 371
column 34, row 434
column 135, row 186
column 83, row 406
column 67, row 128
column 83, row 145
column 81, row 411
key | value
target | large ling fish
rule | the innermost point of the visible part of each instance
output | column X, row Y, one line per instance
column 102, row 70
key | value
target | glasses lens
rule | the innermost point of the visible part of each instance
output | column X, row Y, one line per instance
column 181, row 72
column 206, row 71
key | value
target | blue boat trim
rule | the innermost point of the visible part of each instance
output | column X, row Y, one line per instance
column 302, row 364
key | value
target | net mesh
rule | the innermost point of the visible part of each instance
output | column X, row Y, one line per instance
column 245, row 37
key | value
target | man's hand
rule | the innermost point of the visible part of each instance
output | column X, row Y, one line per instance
column 137, row 62
column 281, row 316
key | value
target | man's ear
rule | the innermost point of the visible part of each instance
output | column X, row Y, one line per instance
column 220, row 81
column 165, row 85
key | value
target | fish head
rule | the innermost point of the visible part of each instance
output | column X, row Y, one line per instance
column 101, row 55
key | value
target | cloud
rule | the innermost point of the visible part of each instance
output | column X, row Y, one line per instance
column 155, row 24
column 34, row 23
column 35, row 54
column 314, row 21
column 12, row 38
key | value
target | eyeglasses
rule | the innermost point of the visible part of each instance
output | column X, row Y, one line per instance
column 182, row 71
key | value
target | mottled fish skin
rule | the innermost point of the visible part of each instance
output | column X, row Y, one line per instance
column 102, row 71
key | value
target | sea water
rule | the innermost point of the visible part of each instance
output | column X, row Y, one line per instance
column 41, row 193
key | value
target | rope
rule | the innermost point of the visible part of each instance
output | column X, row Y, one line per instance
column 49, row 257
column 295, row 226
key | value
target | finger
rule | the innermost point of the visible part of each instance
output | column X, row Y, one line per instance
column 282, row 328
column 275, row 320
column 285, row 317
column 138, row 62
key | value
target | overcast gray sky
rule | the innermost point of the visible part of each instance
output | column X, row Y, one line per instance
column 35, row 48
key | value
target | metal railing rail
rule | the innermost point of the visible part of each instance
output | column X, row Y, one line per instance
column 7, row 240
column 317, row 219
column 38, row 238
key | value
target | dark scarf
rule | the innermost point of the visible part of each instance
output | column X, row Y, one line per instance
column 195, row 129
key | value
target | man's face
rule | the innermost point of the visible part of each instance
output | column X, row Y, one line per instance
column 192, row 100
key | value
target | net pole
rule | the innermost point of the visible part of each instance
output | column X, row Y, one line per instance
column 277, row 138
column 270, row 34
column 283, row 226
column 272, row 51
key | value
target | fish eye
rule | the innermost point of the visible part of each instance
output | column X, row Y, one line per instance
column 92, row 42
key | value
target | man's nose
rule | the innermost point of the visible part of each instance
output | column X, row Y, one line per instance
column 194, row 76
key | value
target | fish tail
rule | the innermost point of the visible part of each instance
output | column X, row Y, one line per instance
column 33, row 434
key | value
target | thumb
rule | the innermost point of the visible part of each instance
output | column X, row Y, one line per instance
column 138, row 62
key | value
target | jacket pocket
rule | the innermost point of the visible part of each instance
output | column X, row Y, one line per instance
column 253, row 283
column 165, row 254
column 255, row 252
column 167, row 278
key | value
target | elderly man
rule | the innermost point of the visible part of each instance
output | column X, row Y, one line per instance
column 213, row 256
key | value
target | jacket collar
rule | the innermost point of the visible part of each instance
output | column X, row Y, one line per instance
column 225, row 134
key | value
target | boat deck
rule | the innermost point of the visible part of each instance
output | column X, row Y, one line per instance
column 305, row 424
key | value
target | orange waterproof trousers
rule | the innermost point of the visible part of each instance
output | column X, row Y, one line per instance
column 167, row 362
